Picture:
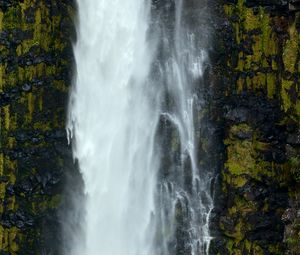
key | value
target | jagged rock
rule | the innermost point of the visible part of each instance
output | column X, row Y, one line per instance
column 4, row 178
column 289, row 215
column 26, row 87
column 254, row 191
column 10, row 190
column 294, row 138
column 238, row 115
column 265, row 227
column 243, row 135
column 24, row 186
column 272, row 3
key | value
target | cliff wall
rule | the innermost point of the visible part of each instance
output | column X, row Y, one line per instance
column 258, row 57
column 256, row 108
column 35, row 72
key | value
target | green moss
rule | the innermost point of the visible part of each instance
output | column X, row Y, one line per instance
column 11, row 18
column 297, row 111
column 242, row 159
column 258, row 81
column 286, row 101
column 237, row 181
column 61, row 86
column 271, row 85
column 294, row 163
column 263, row 40
column 42, row 126
column 24, row 112
column 236, row 129
column 42, row 204
column 6, row 113
column 291, row 48
column 251, row 21
column 267, row 40
column 1, row 20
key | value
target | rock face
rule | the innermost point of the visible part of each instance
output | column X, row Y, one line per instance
column 35, row 74
column 258, row 55
column 256, row 106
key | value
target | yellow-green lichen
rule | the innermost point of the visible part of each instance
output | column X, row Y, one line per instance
column 6, row 117
column 267, row 63
column 42, row 35
column 291, row 48
column 286, row 101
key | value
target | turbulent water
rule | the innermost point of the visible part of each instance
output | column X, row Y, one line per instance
column 135, row 122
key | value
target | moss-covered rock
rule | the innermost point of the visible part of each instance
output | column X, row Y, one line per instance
column 258, row 54
column 35, row 67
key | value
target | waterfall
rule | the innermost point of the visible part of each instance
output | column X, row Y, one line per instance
column 134, row 121
column 184, row 186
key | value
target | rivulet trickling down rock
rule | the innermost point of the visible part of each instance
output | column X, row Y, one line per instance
column 35, row 72
column 257, row 209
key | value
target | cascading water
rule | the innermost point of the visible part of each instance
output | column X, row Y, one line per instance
column 113, row 119
column 184, row 185
column 135, row 119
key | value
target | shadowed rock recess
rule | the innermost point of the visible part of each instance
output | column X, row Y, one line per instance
column 35, row 74
column 256, row 108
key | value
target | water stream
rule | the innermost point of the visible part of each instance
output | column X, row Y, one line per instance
column 134, row 119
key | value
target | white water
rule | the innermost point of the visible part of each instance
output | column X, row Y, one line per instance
column 185, row 190
column 115, row 108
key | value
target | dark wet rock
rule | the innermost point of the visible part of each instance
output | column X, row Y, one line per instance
column 237, row 115
column 4, row 253
column 289, row 215
column 274, row 154
column 22, row 136
column 294, row 138
column 18, row 35
column 271, row 3
column 48, row 179
column 25, row 186
column 26, row 87
column 35, row 140
column 10, row 191
column 218, row 245
column 4, row 4
column 254, row 191
column 290, row 151
column 228, row 224
column 279, row 199
column 4, row 35
column 8, row 96
column 265, row 227
column 56, row 134
column 214, row 221
column 188, row 175
column 4, row 178
column 30, row 15
column 244, row 135
column 19, row 219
